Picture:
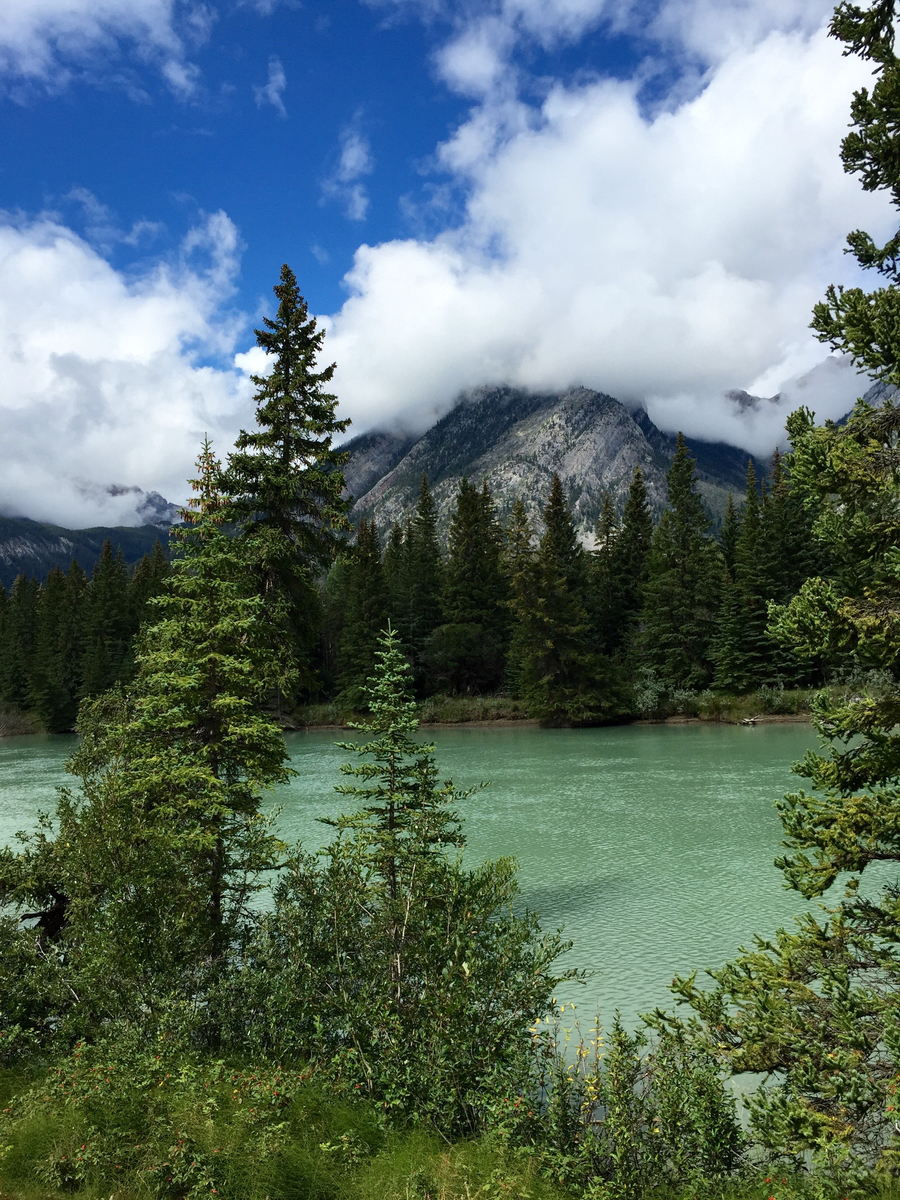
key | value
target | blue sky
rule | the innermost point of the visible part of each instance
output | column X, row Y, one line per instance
column 643, row 198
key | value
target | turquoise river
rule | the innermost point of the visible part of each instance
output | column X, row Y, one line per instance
column 652, row 845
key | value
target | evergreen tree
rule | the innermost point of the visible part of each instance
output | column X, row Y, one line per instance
column 628, row 567
column 473, row 588
column 394, row 563
column 107, row 625
column 466, row 653
column 386, row 960
column 604, row 598
column 284, row 481
column 743, row 650
column 682, row 587
column 792, row 551
column 147, row 883
column 147, row 581
column 521, row 576
column 424, row 568
column 55, row 676
column 365, row 614
column 728, row 536
column 562, row 677
column 19, row 634
column 333, row 602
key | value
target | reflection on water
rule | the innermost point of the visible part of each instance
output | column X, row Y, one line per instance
column 652, row 845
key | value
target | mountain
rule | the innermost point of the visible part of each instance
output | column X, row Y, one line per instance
column 32, row 548
column 517, row 440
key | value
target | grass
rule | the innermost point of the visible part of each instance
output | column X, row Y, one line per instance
column 137, row 1127
column 232, row 1133
column 14, row 722
column 435, row 710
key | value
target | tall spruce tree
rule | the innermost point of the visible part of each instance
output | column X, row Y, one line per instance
column 743, row 650
column 55, row 675
column 424, row 572
column 19, row 634
column 145, row 884
column 521, row 576
column 147, row 581
column 466, row 653
column 365, row 614
column 563, row 678
column 603, row 585
column 394, row 565
column 284, row 481
column 629, row 566
column 729, row 534
column 682, row 588
column 107, row 626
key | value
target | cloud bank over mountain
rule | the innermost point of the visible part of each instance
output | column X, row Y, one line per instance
column 660, row 238
column 666, row 255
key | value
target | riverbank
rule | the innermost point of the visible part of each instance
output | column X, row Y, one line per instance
column 765, row 705
column 14, row 723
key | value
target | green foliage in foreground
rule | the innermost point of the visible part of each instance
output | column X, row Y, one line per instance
column 400, row 972
column 124, row 1119
column 816, row 1008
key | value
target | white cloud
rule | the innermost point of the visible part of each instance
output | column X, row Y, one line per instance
column 48, row 42
column 711, row 29
column 476, row 61
column 343, row 184
column 106, row 381
column 101, row 228
column 665, row 258
column 272, row 91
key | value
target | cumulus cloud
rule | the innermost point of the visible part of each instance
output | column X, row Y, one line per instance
column 108, row 384
column 46, row 43
column 663, row 258
column 708, row 29
column 343, row 184
column 271, row 91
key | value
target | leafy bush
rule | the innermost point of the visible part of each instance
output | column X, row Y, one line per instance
column 627, row 1118
column 410, row 979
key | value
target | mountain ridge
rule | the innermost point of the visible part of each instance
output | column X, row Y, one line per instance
column 34, row 547
column 517, row 440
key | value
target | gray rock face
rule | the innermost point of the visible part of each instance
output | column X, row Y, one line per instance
column 517, row 441
column 372, row 456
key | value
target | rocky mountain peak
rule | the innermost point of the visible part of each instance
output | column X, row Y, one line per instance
column 517, row 440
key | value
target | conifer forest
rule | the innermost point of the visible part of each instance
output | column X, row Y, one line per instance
column 650, row 618
column 192, row 1007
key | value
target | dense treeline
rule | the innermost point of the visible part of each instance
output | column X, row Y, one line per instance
column 73, row 636
column 647, row 618
column 649, row 615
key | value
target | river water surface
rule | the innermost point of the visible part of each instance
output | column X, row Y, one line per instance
column 652, row 845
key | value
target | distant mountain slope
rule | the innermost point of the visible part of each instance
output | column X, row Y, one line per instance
column 517, row 440
column 32, row 548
